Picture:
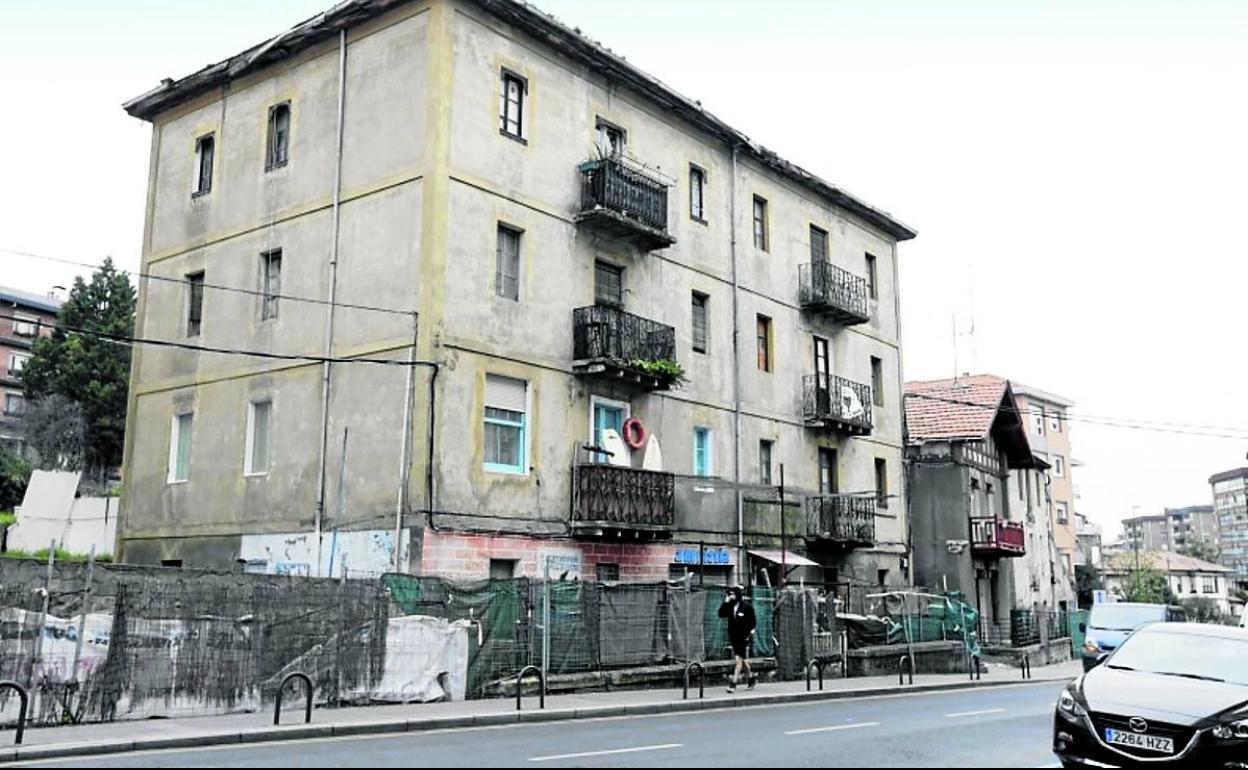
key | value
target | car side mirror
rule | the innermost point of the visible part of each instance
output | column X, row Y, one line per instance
column 1083, row 628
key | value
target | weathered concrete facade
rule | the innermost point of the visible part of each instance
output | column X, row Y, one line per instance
column 427, row 180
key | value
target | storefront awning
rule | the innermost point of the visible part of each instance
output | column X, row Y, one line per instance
column 787, row 557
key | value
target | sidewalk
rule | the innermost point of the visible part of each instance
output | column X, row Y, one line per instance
column 116, row 737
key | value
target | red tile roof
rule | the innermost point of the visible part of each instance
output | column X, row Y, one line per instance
column 964, row 408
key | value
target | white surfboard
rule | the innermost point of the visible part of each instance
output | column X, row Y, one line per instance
column 620, row 454
column 652, row 459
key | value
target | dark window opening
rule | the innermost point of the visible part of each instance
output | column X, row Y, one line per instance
column 279, row 137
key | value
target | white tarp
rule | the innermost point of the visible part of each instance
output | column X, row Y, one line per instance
column 51, row 512
column 426, row 660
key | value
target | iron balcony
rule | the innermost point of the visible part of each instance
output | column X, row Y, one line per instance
column 837, row 404
column 609, row 499
column 830, row 291
column 626, row 201
column 611, row 344
column 847, row 521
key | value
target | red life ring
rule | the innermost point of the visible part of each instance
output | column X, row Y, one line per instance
column 634, row 433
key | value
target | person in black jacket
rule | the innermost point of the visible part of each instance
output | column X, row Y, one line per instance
column 741, row 623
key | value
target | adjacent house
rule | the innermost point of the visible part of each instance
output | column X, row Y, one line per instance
column 1048, row 432
column 628, row 320
column 24, row 317
column 979, row 499
column 1189, row 578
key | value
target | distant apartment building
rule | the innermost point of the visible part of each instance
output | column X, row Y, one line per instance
column 627, row 318
column 1147, row 533
column 24, row 317
column 1048, row 431
column 1191, row 525
column 1230, row 504
column 979, row 501
column 1091, row 549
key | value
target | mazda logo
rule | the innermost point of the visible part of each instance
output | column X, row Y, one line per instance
column 1138, row 725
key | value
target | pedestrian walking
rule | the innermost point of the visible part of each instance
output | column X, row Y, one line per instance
column 741, row 623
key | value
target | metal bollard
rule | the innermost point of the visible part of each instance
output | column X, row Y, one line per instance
column 901, row 670
column 307, row 682
column 818, row 665
column 24, row 697
column 541, row 681
column 1025, row 665
column 701, row 679
column 976, row 674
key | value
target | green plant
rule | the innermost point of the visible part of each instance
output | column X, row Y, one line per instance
column 664, row 367
column 7, row 518
column 61, row 555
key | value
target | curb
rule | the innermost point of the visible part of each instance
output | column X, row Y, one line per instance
column 395, row 727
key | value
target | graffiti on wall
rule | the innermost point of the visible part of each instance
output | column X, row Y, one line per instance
column 368, row 552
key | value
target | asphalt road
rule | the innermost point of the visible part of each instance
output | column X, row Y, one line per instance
column 999, row 727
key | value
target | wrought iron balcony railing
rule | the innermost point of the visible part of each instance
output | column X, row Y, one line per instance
column 990, row 536
column 837, row 403
column 845, row 520
column 829, row 290
column 610, row 342
column 626, row 201
column 609, row 497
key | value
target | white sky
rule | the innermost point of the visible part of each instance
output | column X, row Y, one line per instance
column 1070, row 165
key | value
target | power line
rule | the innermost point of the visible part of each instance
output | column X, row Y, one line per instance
column 216, row 286
column 122, row 339
column 1112, row 422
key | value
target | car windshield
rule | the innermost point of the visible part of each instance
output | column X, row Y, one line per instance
column 1124, row 618
column 1189, row 656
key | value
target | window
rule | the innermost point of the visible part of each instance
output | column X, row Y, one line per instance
column 764, row 462
column 760, row 224
column 194, row 304
column 697, row 193
column 702, row 452
column 607, row 415
column 511, row 105
column 506, row 404
column 205, row 149
column 1037, row 421
column 829, row 484
column 607, row 573
column 270, row 283
column 17, row 362
column 881, row 482
column 822, row 365
column 877, row 381
column 699, row 323
column 611, row 138
column 259, row 417
column 1210, row 584
column 14, row 404
column 608, row 284
column 764, row 344
column 503, row 569
column 25, row 326
column 171, row 563
column 1059, row 466
column 507, row 264
column 180, row 448
column 873, row 277
column 818, row 244
column 279, row 137
column 1063, row 514
column 1055, row 422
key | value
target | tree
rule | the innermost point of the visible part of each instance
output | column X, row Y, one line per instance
column 1147, row 584
column 1204, row 550
column 14, row 475
column 1087, row 581
column 56, row 428
column 79, row 364
column 1203, row 610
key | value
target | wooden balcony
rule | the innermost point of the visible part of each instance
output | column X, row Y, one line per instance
column 992, row 538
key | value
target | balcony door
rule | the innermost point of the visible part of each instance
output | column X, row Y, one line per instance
column 605, row 415
column 823, row 376
column 828, row 482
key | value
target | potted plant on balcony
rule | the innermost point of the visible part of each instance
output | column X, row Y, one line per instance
column 664, row 368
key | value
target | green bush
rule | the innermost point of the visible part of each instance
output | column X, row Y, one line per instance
column 7, row 518
column 61, row 555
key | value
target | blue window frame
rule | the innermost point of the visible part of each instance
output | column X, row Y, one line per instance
column 506, row 423
column 702, row 451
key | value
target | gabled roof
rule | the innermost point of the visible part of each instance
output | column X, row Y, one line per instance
column 545, row 28
column 1162, row 560
column 26, row 299
column 969, row 409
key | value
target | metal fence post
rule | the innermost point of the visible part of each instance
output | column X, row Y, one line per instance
column 36, row 659
column 545, row 633
column 82, row 616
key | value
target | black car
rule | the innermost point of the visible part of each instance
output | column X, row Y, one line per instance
column 1173, row 695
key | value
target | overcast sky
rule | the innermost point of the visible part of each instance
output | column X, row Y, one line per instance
column 1076, row 169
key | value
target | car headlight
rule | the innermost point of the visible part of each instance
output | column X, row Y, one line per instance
column 1068, row 704
column 1232, row 731
column 1091, row 645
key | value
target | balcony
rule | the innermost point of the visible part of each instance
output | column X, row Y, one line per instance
column 610, row 500
column 827, row 290
column 993, row 538
column 837, row 404
column 841, row 520
column 625, row 201
column 610, row 344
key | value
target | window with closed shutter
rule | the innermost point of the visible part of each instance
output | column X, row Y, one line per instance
column 507, row 264
column 506, row 404
column 699, row 323
column 608, row 284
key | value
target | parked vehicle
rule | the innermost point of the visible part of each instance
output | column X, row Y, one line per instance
column 1110, row 624
column 1173, row 695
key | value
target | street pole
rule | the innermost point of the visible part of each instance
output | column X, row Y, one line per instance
column 784, row 571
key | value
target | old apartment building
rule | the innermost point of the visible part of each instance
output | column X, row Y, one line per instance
column 24, row 317
column 627, row 317
column 980, row 500
column 1048, row 431
column 1230, row 503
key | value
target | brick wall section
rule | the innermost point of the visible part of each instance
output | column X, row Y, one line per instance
column 464, row 556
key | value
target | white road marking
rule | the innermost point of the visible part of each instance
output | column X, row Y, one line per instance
column 836, row 728
column 974, row 713
column 557, row 757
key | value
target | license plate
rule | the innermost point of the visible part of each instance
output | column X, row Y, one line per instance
column 1137, row 741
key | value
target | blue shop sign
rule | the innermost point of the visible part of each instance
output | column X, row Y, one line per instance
column 710, row 556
